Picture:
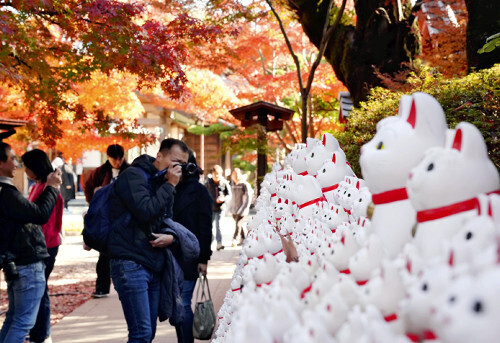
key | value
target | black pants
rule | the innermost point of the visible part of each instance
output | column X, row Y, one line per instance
column 102, row 269
column 239, row 226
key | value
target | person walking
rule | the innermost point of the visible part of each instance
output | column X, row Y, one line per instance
column 79, row 172
column 145, row 191
column 102, row 176
column 219, row 190
column 38, row 167
column 239, row 204
column 68, row 184
column 22, row 247
column 193, row 209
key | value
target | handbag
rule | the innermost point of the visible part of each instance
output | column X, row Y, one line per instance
column 204, row 314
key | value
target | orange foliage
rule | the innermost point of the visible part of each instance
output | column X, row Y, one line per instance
column 111, row 94
column 443, row 27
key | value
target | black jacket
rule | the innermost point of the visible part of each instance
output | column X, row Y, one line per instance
column 148, row 200
column 217, row 189
column 20, row 219
column 193, row 209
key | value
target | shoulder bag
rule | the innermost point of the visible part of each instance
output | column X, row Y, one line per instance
column 204, row 314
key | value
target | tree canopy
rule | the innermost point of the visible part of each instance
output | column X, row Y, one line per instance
column 50, row 48
column 74, row 68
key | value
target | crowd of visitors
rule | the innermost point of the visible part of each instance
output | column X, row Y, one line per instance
column 153, row 265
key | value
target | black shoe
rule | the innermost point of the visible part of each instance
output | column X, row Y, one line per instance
column 99, row 295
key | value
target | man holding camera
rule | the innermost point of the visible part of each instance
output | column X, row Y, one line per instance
column 22, row 247
column 146, row 190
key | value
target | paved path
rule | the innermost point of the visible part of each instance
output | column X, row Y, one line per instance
column 101, row 320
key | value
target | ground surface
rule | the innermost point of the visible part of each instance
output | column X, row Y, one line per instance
column 71, row 283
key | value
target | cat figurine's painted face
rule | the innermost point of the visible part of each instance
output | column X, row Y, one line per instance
column 319, row 152
column 299, row 161
column 422, row 295
column 459, row 171
column 400, row 142
column 469, row 310
column 333, row 171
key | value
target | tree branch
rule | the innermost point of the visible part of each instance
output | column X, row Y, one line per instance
column 282, row 141
column 288, row 44
column 327, row 33
column 262, row 62
column 291, row 130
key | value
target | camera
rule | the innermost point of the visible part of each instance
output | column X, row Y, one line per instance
column 9, row 268
column 188, row 168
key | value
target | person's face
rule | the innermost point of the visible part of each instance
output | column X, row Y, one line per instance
column 171, row 158
column 30, row 173
column 116, row 162
column 236, row 175
column 217, row 174
column 8, row 167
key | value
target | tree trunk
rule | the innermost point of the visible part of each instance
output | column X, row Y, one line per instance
column 483, row 22
column 384, row 39
column 303, row 119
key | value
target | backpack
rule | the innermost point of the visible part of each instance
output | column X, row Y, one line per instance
column 97, row 223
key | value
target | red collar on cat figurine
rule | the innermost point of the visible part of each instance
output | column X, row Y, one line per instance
column 390, row 196
column 445, row 211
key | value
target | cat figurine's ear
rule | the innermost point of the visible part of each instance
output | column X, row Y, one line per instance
column 404, row 106
column 469, row 141
column 423, row 113
column 330, row 142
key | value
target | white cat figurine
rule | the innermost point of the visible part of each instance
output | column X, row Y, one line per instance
column 386, row 161
column 443, row 187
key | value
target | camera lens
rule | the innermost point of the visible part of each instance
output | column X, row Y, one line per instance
column 191, row 168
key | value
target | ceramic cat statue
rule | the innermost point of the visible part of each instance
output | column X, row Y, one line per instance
column 331, row 173
column 469, row 309
column 443, row 187
column 386, row 161
column 307, row 193
column 474, row 246
column 299, row 160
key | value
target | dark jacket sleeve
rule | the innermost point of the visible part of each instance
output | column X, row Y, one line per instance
column 204, row 224
column 25, row 211
column 135, row 193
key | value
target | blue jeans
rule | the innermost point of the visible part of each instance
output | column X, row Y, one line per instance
column 24, row 295
column 41, row 330
column 185, row 331
column 216, row 222
column 139, row 292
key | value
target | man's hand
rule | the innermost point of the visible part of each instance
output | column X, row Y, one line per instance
column 54, row 179
column 174, row 174
column 202, row 268
column 86, row 247
column 162, row 240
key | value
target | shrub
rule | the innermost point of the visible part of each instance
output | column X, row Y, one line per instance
column 474, row 98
